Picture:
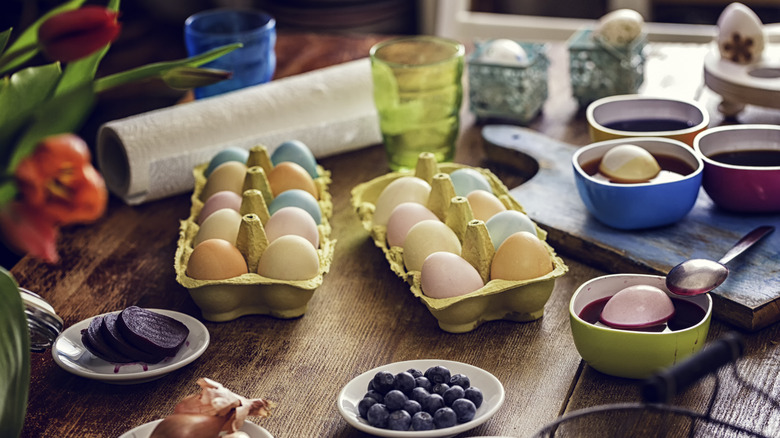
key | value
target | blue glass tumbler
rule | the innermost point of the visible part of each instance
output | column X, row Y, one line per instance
column 252, row 64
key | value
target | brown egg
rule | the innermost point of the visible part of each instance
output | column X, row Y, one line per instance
column 522, row 256
column 484, row 204
column 215, row 259
column 288, row 175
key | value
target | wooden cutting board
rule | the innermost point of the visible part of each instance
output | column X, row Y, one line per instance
column 748, row 299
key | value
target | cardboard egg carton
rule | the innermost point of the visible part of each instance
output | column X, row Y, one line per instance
column 251, row 293
column 498, row 299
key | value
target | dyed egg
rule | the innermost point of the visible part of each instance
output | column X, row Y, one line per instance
column 403, row 189
column 215, row 259
column 403, row 218
column 227, row 176
column 218, row 201
column 297, row 198
column 522, row 256
column 741, row 37
column 628, row 163
column 222, row 224
column 426, row 238
column 636, row 307
column 504, row 51
column 505, row 223
column 484, row 204
column 619, row 27
column 296, row 152
column 467, row 180
column 292, row 220
column 445, row 275
column 229, row 154
column 288, row 175
column 289, row 258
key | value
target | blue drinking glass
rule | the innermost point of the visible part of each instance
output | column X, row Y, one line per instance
column 252, row 64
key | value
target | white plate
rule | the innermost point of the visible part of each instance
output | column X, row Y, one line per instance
column 353, row 392
column 72, row 356
column 144, row 430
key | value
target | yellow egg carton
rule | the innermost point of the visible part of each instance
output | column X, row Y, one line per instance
column 251, row 293
column 498, row 299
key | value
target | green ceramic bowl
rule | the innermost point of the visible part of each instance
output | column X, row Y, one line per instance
column 636, row 354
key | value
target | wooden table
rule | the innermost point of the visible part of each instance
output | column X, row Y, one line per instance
column 362, row 316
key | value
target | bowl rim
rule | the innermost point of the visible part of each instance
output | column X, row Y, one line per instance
column 608, row 144
column 640, row 97
column 716, row 130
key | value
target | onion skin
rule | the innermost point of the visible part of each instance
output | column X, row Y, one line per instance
column 189, row 426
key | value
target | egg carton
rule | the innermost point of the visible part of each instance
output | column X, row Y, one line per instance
column 251, row 293
column 519, row 301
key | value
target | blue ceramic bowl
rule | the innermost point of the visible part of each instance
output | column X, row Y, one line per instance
column 641, row 205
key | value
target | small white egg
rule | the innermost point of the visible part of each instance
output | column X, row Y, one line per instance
column 741, row 36
column 403, row 189
column 504, row 51
column 628, row 163
column 619, row 27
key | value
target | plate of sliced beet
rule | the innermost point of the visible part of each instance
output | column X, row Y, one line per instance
column 134, row 345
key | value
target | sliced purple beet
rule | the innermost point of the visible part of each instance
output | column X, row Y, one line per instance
column 152, row 332
column 94, row 342
column 112, row 336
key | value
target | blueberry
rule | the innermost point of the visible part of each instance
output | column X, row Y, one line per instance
column 415, row 372
column 412, row 407
column 444, row 417
column 423, row 421
column 452, row 394
column 475, row 395
column 375, row 395
column 395, row 399
column 433, row 403
column 399, row 420
column 419, row 394
column 423, row 382
column 370, row 385
column 464, row 409
column 364, row 404
column 438, row 374
column 378, row 415
column 404, row 382
column 461, row 380
column 383, row 381
column 440, row 388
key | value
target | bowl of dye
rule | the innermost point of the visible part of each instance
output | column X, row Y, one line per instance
column 659, row 201
column 633, row 115
column 741, row 167
column 636, row 354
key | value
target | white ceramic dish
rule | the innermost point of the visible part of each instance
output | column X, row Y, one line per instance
column 145, row 430
column 70, row 354
column 353, row 392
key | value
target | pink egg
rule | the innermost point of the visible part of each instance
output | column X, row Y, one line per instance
column 484, row 204
column 637, row 307
column 292, row 221
column 218, row 201
column 403, row 218
column 446, row 275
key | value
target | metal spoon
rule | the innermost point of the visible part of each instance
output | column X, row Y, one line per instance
column 698, row 276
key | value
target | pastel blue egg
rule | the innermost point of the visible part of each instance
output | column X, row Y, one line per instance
column 297, row 198
column 297, row 152
column 503, row 224
column 467, row 180
column 228, row 154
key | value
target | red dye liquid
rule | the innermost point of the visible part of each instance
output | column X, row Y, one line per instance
column 686, row 314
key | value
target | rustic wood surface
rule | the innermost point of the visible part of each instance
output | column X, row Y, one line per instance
column 362, row 316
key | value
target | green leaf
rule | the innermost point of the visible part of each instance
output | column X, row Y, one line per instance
column 8, row 191
column 4, row 37
column 14, row 358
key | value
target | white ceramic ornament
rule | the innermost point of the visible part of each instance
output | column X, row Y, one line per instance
column 741, row 37
column 619, row 27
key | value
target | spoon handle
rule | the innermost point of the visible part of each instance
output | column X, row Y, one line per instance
column 746, row 242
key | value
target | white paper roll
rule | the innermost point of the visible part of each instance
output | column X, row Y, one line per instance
column 151, row 155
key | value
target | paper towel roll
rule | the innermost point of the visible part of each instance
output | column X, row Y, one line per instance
column 151, row 155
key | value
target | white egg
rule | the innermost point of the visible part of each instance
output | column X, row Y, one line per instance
column 628, row 163
column 504, row 51
column 741, row 37
column 403, row 189
column 619, row 27
column 289, row 258
column 425, row 238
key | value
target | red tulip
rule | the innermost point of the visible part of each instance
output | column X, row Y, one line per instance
column 74, row 34
column 28, row 232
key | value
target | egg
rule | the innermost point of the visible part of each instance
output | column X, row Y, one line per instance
column 292, row 220
column 288, row 175
column 628, row 163
column 227, row 176
column 289, row 258
column 484, row 204
column 619, row 27
column 403, row 189
column 229, row 154
column 467, row 180
column 445, row 275
column 522, row 256
column 297, row 152
column 741, row 37
column 297, row 198
column 425, row 238
column 505, row 223
column 638, row 306
column 403, row 218
column 504, row 51
column 218, row 201
column 215, row 259
column 222, row 224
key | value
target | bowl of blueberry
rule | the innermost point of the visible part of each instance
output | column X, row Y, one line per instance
column 421, row 398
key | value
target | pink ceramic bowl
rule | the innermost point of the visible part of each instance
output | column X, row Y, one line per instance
column 741, row 166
